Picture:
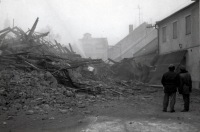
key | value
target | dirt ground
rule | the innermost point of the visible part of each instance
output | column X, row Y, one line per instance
column 138, row 111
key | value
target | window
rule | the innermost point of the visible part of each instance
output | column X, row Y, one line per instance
column 188, row 24
column 175, row 30
column 164, row 34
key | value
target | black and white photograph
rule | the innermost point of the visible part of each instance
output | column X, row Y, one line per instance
column 99, row 66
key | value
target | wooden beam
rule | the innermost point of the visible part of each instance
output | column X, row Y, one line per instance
column 33, row 28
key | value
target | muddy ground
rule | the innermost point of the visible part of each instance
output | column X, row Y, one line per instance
column 140, row 110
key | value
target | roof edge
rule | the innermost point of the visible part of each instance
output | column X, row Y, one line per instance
column 195, row 2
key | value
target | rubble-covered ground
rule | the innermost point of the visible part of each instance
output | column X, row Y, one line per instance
column 33, row 101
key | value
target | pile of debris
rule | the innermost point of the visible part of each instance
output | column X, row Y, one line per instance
column 23, row 90
column 128, row 68
column 30, row 51
column 36, row 72
column 38, row 76
column 38, row 92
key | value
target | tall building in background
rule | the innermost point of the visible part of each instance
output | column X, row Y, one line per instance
column 95, row 48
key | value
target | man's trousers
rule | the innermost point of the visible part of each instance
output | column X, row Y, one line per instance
column 186, row 99
column 169, row 97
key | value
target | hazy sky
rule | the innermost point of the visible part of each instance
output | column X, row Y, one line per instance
column 72, row 18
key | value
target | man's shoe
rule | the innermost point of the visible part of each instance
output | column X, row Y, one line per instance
column 164, row 110
column 172, row 111
column 184, row 110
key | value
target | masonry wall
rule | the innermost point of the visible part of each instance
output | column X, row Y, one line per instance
column 190, row 42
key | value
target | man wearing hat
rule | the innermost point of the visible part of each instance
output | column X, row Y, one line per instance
column 170, row 83
column 185, row 87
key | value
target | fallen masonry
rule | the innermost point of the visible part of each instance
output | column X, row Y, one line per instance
column 38, row 92
column 39, row 76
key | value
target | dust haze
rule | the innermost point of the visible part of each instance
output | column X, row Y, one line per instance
column 70, row 19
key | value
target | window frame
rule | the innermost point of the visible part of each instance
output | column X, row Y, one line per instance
column 175, row 30
column 188, row 30
column 164, row 34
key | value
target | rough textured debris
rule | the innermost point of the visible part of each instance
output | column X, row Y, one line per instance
column 30, row 112
column 40, row 76
column 81, row 105
column 9, row 117
column 63, row 111
column 51, row 118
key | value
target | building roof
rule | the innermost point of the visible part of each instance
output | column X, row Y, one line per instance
column 184, row 8
column 133, row 42
column 150, row 48
column 130, row 38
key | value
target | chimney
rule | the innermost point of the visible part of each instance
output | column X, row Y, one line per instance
column 130, row 28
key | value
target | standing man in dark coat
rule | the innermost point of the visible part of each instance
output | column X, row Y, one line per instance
column 185, row 87
column 170, row 83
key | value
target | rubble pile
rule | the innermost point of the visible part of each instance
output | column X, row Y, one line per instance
column 39, row 76
column 129, row 68
column 32, row 90
column 38, row 92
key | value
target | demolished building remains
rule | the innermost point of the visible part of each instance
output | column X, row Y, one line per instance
column 38, row 75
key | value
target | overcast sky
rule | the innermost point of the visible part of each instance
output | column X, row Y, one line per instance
column 72, row 18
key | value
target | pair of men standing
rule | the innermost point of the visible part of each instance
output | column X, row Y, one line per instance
column 171, row 81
